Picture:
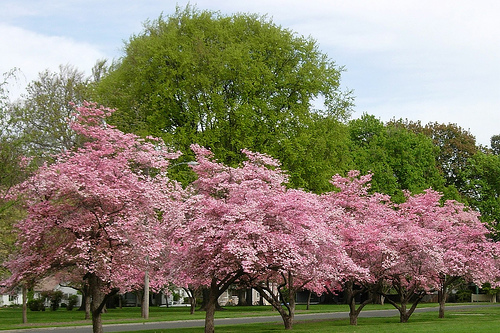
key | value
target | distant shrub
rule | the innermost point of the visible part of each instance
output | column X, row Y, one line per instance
column 36, row 304
column 72, row 300
column 55, row 298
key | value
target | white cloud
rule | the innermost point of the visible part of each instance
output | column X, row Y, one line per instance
column 32, row 52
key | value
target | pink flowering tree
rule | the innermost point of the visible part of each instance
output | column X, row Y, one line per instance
column 464, row 249
column 300, row 252
column 417, row 259
column 435, row 244
column 365, row 231
column 414, row 248
column 102, row 210
column 224, row 231
column 243, row 225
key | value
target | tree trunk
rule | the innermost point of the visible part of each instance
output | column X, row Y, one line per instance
column 285, row 309
column 85, row 306
column 206, row 296
column 445, row 282
column 192, row 298
column 353, row 313
column 97, row 302
column 292, row 305
column 145, row 301
column 403, row 317
column 192, row 301
column 441, row 300
column 288, row 322
column 210, row 303
column 25, row 305
column 97, row 322
column 308, row 300
column 403, row 314
column 351, row 294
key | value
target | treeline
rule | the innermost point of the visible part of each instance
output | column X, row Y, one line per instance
column 403, row 155
column 240, row 81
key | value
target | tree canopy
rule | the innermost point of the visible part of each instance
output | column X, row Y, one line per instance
column 224, row 82
column 398, row 158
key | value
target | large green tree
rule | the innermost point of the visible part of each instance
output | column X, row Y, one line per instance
column 224, row 82
column 398, row 158
column 316, row 153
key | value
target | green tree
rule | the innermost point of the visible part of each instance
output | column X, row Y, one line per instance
column 9, row 213
column 367, row 136
column 316, row 153
column 483, row 188
column 456, row 147
column 224, row 82
column 398, row 158
column 39, row 118
column 495, row 144
column 10, row 174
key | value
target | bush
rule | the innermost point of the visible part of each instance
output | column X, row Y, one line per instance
column 36, row 304
column 72, row 300
column 55, row 297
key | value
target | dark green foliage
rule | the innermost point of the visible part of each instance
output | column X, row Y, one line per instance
column 316, row 153
column 37, row 304
column 495, row 144
column 483, row 188
column 72, row 300
column 456, row 147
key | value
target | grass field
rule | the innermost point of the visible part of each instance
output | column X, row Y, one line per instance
column 481, row 319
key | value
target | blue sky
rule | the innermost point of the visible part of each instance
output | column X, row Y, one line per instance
column 421, row 60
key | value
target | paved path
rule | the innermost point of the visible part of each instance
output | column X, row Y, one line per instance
column 230, row 321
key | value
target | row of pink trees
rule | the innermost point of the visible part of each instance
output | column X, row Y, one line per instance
column 107, row 215
column 413, row 248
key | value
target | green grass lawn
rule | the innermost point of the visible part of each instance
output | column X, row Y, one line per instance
column 462, row 321
column 477, row 320
column 12, row 317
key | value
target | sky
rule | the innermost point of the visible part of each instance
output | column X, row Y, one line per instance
column 432, row 61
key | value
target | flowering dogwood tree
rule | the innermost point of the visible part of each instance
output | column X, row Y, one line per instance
column 300, row 252
column 102, row 210
column 460, row 239
column 364, row 231
column 414, row 248
column 224, row 231
column 417, row 259
column 435, row 244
